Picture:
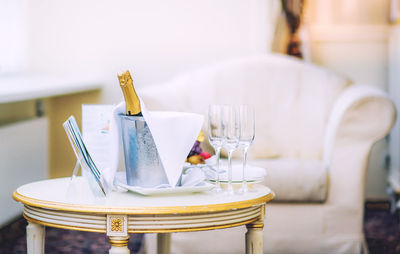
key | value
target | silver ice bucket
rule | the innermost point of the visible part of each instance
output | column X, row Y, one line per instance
column 142, row 161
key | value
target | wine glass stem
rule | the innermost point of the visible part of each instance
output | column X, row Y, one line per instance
column 218, row 152
column 244, row 181
column 230, row 187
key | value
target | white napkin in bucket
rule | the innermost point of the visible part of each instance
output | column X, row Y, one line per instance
column 174, row 134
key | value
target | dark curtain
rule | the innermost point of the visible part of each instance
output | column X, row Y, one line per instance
column 293, row 10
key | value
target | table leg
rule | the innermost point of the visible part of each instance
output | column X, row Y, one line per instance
column 35, row 238
column 163, row 243
column 119, row 245
column 254, row 239
column 255, row 235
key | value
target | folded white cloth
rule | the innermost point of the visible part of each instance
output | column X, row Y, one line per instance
column 192, row 177
column 174, row 134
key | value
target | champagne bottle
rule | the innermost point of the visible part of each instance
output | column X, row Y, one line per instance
column 131, row 99
column 142, row 161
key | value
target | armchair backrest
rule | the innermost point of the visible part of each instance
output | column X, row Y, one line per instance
column 292, row 100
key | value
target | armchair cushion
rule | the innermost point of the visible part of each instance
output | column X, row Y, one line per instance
column 295, row 180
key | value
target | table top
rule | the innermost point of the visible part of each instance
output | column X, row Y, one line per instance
column 28, row 87
column 66, row 195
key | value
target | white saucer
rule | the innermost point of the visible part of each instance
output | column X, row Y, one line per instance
column 120, row 181
column 253, row 174
column 236, row 181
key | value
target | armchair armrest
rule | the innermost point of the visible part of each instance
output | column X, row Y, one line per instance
column 361, row 116
column 359, row 105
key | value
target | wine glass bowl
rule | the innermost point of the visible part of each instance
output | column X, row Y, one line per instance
column 216, row 136
column 247, row 134
column 231, row 128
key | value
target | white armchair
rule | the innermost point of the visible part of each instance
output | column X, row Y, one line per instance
column 314, row 133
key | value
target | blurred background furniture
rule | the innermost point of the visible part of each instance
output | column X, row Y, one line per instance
column 32, row 109
column 314, row 133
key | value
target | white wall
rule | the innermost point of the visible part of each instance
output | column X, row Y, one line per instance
column 394, row 90
column 155, row 39
column 13, row 43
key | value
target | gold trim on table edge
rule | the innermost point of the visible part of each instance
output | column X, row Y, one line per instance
column 49, row 224
column 142, row 210
column 149, row 231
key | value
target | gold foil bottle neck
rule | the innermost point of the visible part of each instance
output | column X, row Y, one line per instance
column 131, row 99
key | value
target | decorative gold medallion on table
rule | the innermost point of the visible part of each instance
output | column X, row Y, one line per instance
column 117, row 225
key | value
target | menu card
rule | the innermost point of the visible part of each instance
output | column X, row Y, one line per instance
column 83, row 156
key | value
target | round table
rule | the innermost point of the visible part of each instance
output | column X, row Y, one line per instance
column 68, row 204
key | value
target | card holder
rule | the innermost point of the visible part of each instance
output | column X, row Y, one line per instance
column 89, row 169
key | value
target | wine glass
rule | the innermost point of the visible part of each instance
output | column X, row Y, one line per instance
column 247, row 133
column 216, row 135
column 232, row 132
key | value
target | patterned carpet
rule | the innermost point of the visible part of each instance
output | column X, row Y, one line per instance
column 13, row 240
column 382, row 231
